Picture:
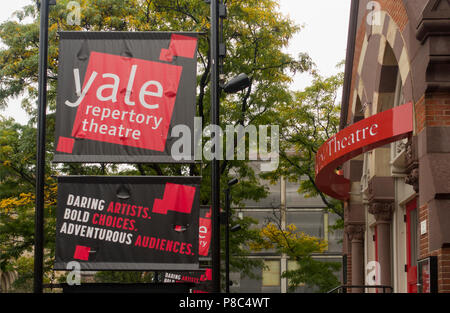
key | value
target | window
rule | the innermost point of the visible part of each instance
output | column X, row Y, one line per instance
column 398, row 100
column 308, row 221
column 271, row 273
column 334, row 235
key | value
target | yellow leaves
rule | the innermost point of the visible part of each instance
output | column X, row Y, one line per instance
column 50, row 194
column 7, row 163
column 53, row 27
column 5, row 204
column 291, row 228
column 204, row 23
column 27, row 200
column 8, row 205
column 289, row 240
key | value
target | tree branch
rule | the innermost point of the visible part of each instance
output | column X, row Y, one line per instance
column 311, row 179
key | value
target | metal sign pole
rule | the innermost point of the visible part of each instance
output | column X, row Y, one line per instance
column 227, row 240
column 215, row 173
column 40, row 155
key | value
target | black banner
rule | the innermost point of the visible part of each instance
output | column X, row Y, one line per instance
column 128, row 223
column 120, row 94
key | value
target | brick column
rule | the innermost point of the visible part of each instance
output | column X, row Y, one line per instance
column 383, row 216
column 381, row 204
column 355, row 234
column 354, row 225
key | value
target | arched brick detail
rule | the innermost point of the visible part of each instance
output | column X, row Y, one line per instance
column 360, row 38
column 393, row 22
column 397, row 11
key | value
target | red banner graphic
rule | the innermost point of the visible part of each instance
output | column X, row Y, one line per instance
column 81, row 253
column 180, row 45
column 126, row 101
column 178, row 198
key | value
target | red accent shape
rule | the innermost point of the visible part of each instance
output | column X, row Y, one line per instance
column 411, row 278
column 178, row 198
column 65, row 144
column 139, row 117
column 179, row 228
column 81, row 253
column 166, row 55
column 182, row 46
column 208, row 273
column 365, row 135
column 158, row 207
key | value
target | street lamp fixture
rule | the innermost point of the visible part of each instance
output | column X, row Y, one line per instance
column 237, row 83
column 235, row 228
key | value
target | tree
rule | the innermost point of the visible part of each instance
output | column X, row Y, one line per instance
column 255, row 33
column 300, row 248
column 306, row 123
column 17, row 157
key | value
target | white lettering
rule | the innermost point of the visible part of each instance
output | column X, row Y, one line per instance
column 70, row 199
column 329, row 146
column 85, row 89
column 130, row 85
column 372, row 132
column 114, row 87
column 343, row 146
column 145, row 92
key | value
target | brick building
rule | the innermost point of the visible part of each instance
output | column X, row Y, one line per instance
column 397, row 219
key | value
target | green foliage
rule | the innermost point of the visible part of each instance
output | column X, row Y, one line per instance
column 17, row 158
column 320, row 275
column 305, row 124
column 239, row 261
column 300, row 248
column 24, row 269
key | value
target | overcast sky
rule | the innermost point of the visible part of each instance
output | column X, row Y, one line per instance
column 324, row 37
